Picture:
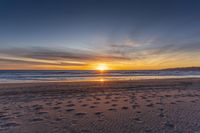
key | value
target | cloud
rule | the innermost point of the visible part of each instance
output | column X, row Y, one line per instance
column 69, row 54
column 67, row 57
column 151, row 51
column 156, row 51
column 31, row 61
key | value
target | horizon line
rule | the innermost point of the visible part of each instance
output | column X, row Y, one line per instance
column 98, row 70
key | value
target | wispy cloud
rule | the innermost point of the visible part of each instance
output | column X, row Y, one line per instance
column 67, row 57
column 147, row 52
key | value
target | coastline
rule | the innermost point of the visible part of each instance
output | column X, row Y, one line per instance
column 105, row 84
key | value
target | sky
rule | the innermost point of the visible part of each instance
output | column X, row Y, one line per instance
column 83, row 34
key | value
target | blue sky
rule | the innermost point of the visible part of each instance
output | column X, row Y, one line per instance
column 74, row 34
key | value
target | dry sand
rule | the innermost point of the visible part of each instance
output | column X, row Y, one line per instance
column 157, row 106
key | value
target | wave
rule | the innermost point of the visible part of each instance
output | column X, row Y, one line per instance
column 55, row 75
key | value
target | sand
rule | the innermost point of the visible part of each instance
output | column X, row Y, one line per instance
column 157, row 106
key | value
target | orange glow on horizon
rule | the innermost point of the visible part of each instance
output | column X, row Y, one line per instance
column 102, row 67
column 101, row 80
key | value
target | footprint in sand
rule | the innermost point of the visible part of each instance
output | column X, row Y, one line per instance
column 98, row 98
column 148, row 130
column 96, row 102
column 168, row 124
column 3, row 116
column 37, row 107
column 88, row 99
column 167, row 95
column 18, row 116
column 133, row 97
column 125, row 100
column 98, row 113
column 135, row 106
column 58, row 119
column 138, row 112
column 114, row 105
column 137, row 119
column 150, row 105
column 56, row 108
column 107, row 102
column 6, row 108
column 80, row 114
column 84, row 105
column 108, row 97
column 161, row 109
column 161, row 115
column 124, row 107
column 40, row 113
column 80, row 101
column 69, row 101
column 58, row 103
column 85, row 131
column 70, row 110
column 19, row 106
column 159, row 103
column 16, row 113
column 116, row 97
column 36, row 119
column 70, row 105
column 131, row 102
column 92, row 106
column 9, row 125
column 112, row 109
column 2, row 112
column 179, row 101
column 193, row 101
column 48, row 103
column 143, row 97
column 148, row 100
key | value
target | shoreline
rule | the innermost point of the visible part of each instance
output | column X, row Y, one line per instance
column 101, row 85
column 100, row 81
column 23, row 78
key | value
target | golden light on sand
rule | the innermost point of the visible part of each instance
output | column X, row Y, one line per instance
column 102, row 67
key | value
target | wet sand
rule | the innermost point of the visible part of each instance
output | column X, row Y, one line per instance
column 157, row 106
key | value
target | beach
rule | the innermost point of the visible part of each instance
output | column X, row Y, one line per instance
column 99, row 66
column 131, row 106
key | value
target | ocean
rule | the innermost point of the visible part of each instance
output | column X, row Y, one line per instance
column 23, row 76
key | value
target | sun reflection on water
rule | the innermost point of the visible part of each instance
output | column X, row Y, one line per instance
column 101, row 80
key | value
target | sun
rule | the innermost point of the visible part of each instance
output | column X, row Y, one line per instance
column 102, row 67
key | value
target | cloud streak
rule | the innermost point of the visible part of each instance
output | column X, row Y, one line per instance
column 47, row 56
